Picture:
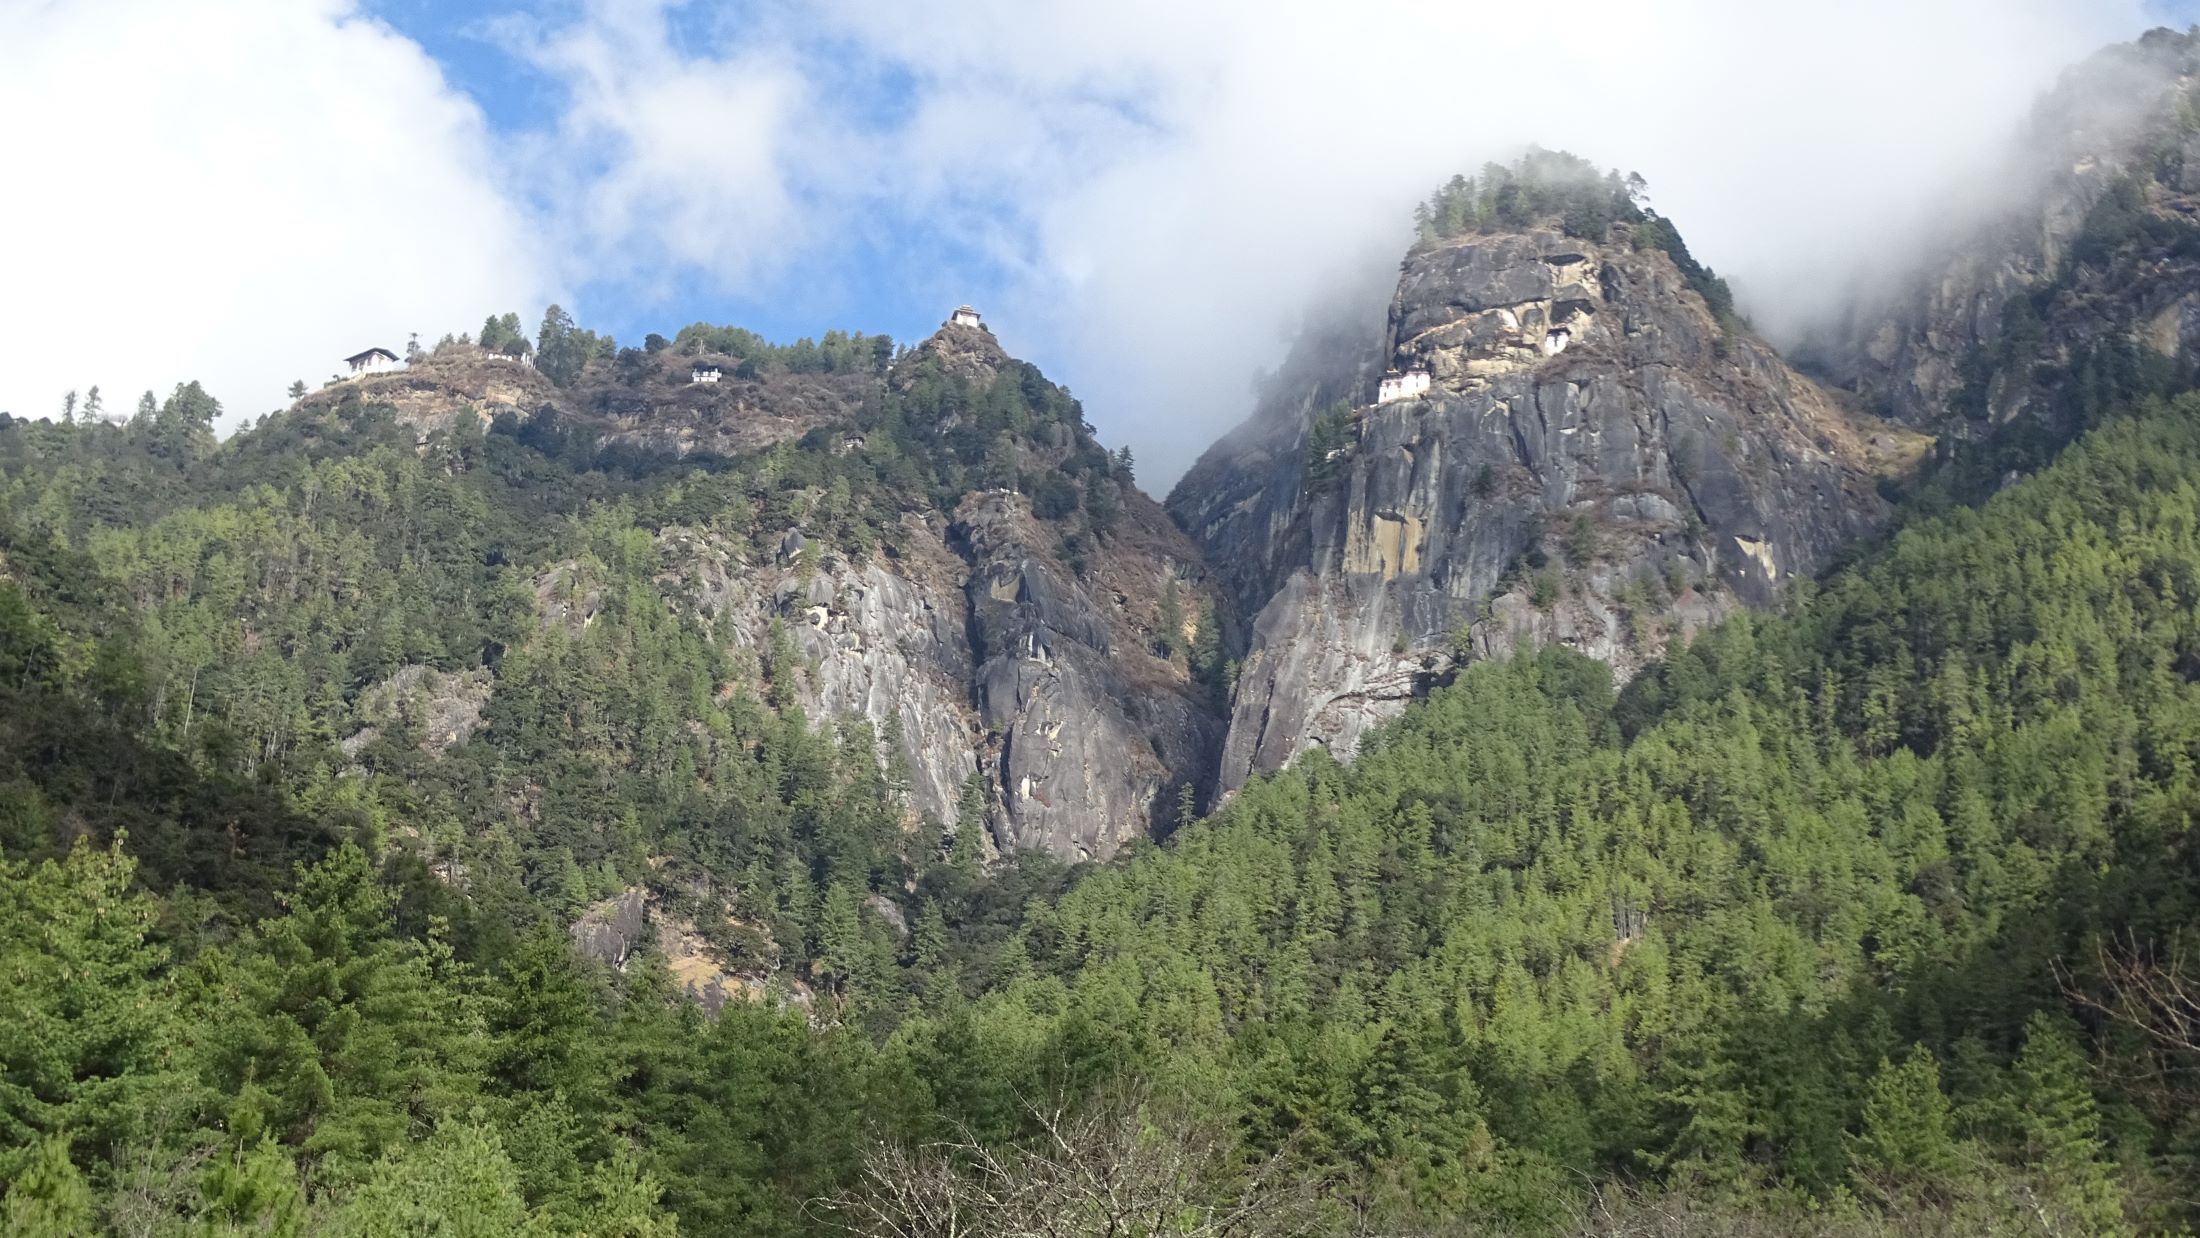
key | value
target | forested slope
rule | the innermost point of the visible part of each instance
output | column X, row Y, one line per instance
column 1770, row 939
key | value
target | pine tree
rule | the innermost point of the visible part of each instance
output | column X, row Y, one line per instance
column 1171, row 636
column 48, row 1198
column 91, row 1024
column 1908, row 1135
column 257, row 1191
column 840, row 936
column 561, row 352
column 459, row 1183
column 966, row 851
column 543, row 1014
column 2060, row 1125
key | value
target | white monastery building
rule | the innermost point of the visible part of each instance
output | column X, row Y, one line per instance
column 372, row 361
column 1396, row 386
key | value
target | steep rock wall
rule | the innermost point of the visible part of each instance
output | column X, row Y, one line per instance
column 2081, row 273
column 1599, row 463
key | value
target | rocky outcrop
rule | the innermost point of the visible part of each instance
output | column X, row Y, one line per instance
column 446, row 707
column 1000, row 659
column 1598, row 463
column 647, row 405
column 615, row 930
column 979, row 651
column 1087, row 733
column 2077, row 287
column 882, row 646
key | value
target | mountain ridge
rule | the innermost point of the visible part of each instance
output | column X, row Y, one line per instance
column 1551, row 474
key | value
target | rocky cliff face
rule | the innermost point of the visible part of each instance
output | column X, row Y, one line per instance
column 1006, row 662
column 979, row 651
column 1598, row 462
column 648, row 406
column 2079, row 287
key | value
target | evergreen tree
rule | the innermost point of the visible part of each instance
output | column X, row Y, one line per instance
column 1170, row 638
column 92, row 1035
column 47, row 1197
column 560, row 351
column 2059, row 1124
column 1908, row 1134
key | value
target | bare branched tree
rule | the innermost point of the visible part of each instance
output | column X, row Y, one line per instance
column 1127, row 1168
column 2155, row 992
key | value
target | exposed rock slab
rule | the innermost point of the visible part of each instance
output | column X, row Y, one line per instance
column 1599, row 464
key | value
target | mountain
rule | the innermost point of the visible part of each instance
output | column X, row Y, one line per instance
column 1603, row 458
column 931, row 546
column 1663, row 790
column 2075, row 291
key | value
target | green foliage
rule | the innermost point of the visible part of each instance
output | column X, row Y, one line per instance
column 836, row 352
column 47, row 1198
column 1772, row 930
column 1657, row 232
column 456, row 1184
column 563, row 349
column 1541, row 187
column 1543, row 590
column 1168, row 636
column 1584, row 541
column 84, row 997
column 1485, row 482
column 2057, row 1125
column 502, row 334
column 2121, row 219
column 1329, row 442
column 1209, row 659
column 1908, row 1131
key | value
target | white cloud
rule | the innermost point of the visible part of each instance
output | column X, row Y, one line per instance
column 239, row 192
column 1794, row 144
column 1154, row 188
column 665, row 160
column 1167, row 185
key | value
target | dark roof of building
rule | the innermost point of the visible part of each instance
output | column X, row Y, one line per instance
column 356, row 358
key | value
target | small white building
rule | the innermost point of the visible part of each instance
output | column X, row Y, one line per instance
column 1396, row 386
column 964, row 316
column 1555, row 340
column 702, row 373
column 372, row 361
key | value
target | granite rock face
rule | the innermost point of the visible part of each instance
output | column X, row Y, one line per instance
column 1597, row 463
column 614, row 929
column 979, row 652
column 991, row 669
column 1088, row 734
column 999, row 661
column 2084, row 272
column 446, row 707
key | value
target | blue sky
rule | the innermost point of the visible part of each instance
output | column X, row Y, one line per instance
column 1146, row 197
column 880, row 279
